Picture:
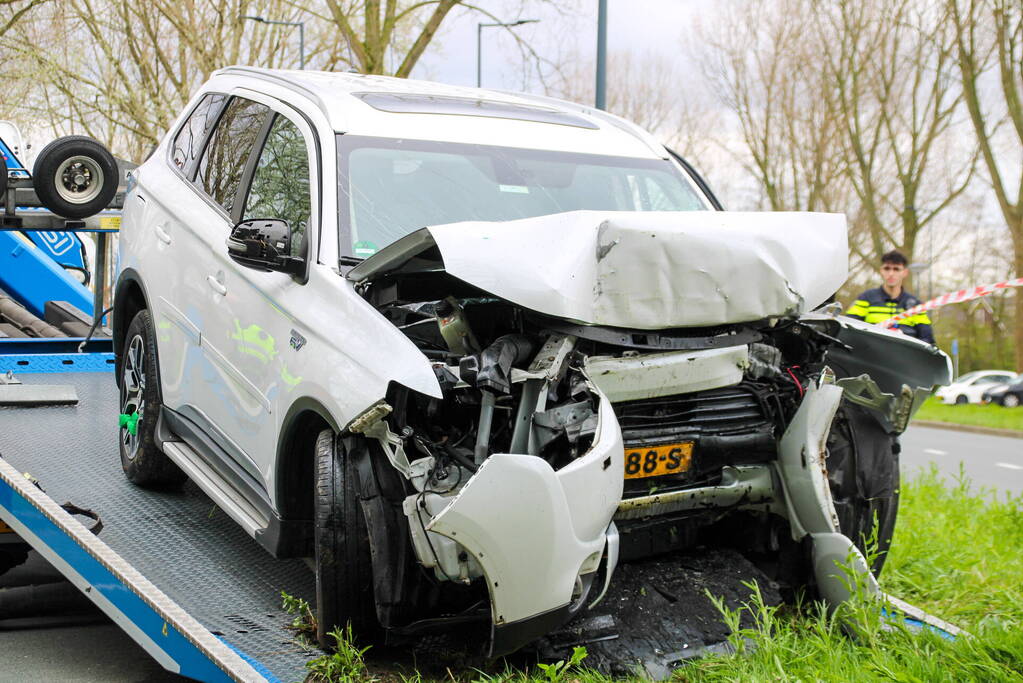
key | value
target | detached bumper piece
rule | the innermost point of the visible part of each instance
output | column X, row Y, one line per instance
column 538, row 534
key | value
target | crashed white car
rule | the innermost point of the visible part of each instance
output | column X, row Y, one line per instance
column 469, row 350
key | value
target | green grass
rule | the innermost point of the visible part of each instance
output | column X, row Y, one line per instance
column 957, row 553
column 977, row 415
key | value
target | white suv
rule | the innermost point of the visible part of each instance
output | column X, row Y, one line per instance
column 387, row 323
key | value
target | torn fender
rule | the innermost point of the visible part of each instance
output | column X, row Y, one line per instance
column 534, row 531
column 886, row 371
column 802, row 469
column 890, row 358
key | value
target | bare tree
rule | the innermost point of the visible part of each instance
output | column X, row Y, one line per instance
column 851, row 109
column 18, row 9
column 373, row 29
column 890, row 66
column 989, row 44
column 121, row 71
column 644, row 89
column 761, row 65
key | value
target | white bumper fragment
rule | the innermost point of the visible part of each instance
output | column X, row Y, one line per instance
column 534, row 531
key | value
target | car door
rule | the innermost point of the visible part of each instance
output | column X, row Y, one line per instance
column 216, row 394
column 264, row 307
column 164, row 250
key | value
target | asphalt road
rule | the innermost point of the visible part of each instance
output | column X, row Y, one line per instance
column 102, row 653
column 995, row 462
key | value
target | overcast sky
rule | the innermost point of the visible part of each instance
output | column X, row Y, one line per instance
column 564, row 28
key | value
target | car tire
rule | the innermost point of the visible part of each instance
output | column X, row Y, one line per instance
column 3, row 181
column 141, row 458
column 75, row 177
column 961, row 400
column 1010, row 401
column 344, row 570
column 863, row 471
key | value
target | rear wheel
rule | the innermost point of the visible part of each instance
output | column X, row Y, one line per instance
column 961, row 400
column 863, row 470
column 344, row 572
column 141, row 458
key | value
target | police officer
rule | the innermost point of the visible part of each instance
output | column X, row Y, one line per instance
column 881, row 303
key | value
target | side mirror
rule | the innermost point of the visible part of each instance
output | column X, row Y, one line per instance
column 264, row 244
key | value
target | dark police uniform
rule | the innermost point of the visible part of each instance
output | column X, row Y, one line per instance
column 874, row 306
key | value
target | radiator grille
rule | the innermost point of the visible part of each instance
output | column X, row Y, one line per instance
column 728, row 410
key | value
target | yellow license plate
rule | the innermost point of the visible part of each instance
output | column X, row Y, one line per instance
column 654, row 461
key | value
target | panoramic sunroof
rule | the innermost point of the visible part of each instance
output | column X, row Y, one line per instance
column 401, row 103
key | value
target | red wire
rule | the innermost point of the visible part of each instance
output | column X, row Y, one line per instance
column 798, row 385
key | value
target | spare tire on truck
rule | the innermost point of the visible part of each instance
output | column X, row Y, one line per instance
column 75, row 177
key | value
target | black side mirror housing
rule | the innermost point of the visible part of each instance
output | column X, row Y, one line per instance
column 264, row 244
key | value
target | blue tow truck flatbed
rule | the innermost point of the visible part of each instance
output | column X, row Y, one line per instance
column 169, row 568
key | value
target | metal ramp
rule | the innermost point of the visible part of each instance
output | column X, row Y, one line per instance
column 169, row 568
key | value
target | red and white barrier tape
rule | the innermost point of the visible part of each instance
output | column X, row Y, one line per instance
column 957, row 297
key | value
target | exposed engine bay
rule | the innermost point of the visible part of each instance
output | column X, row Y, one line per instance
column 558, row 447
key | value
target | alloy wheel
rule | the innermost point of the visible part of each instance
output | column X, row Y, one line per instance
column 133, row 388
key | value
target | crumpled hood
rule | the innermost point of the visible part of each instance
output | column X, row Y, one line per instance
column 641, row 270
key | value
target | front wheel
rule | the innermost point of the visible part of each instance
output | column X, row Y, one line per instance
column 141, row 458
column 863, row 471
column 961, row 400
column 1010, row 400
column 344, row 572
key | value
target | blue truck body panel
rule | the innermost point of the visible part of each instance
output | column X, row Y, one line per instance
column 32, row 277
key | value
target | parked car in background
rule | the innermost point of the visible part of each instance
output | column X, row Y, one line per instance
column 1008, row 395
column 970, row 387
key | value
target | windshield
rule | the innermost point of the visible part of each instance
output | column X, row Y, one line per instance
column 389, row 188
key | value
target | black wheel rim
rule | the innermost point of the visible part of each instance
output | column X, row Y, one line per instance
column 133, row 388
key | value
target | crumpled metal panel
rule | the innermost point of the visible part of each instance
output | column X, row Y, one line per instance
column 644, row 270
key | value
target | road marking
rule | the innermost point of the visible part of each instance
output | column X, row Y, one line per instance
column 1009, row 466
column 935, row 451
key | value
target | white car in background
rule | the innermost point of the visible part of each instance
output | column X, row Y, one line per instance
column 970, row 387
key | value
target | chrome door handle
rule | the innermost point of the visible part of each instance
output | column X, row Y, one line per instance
column 162, row 234
column 216, row 285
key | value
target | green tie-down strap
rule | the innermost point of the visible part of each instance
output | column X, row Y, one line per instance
column 129, row 421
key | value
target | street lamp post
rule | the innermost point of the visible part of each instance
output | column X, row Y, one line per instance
column 479, row 43
column 600, row 100
column 301, row 34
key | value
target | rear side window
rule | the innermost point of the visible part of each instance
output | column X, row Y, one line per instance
column 223, row 163
column 188, row 142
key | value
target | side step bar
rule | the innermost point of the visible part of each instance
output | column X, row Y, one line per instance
column 168, row 633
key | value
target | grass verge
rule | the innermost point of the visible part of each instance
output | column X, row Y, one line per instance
column 957, row 554
column 976, row 415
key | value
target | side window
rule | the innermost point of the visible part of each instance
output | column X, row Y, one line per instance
column 223, row 162
column 188, row 142
column 280, row 185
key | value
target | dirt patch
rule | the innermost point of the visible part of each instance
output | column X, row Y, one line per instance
column 655, row 615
